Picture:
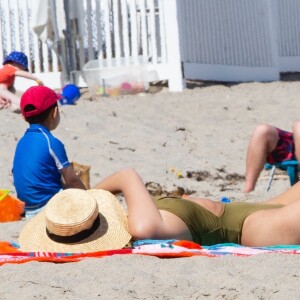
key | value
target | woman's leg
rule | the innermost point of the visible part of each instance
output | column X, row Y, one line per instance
column 263, row 141
column 289, row 196
column 144, row 219
column 278, row 226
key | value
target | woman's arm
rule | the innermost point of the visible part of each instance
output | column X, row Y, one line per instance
column 144, row 219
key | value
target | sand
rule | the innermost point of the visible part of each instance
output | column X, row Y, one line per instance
column 195, row 140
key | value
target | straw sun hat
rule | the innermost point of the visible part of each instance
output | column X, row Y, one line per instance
column 76, row 220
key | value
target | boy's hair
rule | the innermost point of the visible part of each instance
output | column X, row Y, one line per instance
column 41, row 118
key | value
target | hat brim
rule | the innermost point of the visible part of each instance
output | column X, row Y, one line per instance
column 111, row 234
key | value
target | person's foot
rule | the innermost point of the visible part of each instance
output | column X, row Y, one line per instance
column 248, row 189
column 251, row 180
column 2, row 104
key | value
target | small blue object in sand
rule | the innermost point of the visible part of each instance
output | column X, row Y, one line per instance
column 70, row 93
column 225, row 200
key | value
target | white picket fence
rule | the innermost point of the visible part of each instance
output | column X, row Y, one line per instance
column 92, row 29
column 226, row 40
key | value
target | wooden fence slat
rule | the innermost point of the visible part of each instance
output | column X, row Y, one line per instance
column 162, row 32
column 7, row 25
column 107, row 29
column 89, row 31
column 133, row 29
column 116, row 28
column 16, row 22
column 143, row 37
column 1, row 33
column 24, row 7
column 125, row 32
column 99, row 34
column 152, row 29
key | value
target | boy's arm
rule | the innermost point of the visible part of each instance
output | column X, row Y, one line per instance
column 28, row 75
column 71, row 179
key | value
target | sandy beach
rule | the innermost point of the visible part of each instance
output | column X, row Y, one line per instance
column 195, row 141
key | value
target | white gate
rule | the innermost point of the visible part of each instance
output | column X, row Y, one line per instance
column 69, row 33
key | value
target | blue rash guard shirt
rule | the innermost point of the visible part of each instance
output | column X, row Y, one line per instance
column 39, row 157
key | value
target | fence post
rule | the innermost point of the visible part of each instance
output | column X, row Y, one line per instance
column 176, row 82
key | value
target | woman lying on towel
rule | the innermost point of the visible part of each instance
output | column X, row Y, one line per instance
column 58, row 227
column 204, row 221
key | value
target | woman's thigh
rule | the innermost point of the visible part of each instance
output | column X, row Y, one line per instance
column 290, row 195
column 278, row 226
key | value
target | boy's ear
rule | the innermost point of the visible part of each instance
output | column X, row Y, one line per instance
column 54, row 111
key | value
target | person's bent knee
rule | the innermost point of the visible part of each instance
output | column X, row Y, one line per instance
column 266, row 134
column 296, row 127
column 265, row 130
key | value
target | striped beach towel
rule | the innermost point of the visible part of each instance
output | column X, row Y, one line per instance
column 10, row 253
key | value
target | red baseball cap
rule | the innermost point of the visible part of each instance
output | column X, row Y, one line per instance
column 41, row 97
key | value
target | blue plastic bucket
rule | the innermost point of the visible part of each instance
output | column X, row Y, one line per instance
column 70, row 93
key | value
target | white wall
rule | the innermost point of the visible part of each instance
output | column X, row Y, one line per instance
column 228, row 40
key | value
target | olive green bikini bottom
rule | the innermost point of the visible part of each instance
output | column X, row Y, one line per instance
column 205, row 227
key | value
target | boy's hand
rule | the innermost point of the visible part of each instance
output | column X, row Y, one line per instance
column 71, row 179
column 39, row 82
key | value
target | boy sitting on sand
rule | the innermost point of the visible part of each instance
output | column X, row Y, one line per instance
column 40, row 159
column 15, row 64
